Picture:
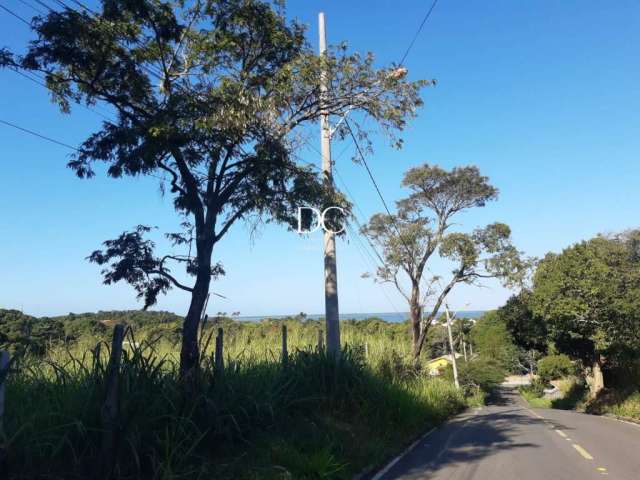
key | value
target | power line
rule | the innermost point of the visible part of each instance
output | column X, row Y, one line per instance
column 31, row 6
column 415, row 37
column 44, row 137
column 375, row 184
column 366, row 166
column 352, row 200
column 39, row 2
column 62, row 144
column 361, row 248
column 14, row 14
column 373, row 247
column 157, row 74
column 38, row 81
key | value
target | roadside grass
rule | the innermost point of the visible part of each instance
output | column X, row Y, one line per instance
column 533, row 400
column 311, row 419
column 629, row 407
column 622, row 403
column 573, row 390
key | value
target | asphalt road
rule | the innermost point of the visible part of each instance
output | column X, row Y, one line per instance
column 508, row 440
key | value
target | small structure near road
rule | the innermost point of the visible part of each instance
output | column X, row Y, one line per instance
column 436, row 366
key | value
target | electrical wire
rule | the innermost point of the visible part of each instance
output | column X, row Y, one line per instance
column 44, row 137
column 14, row 14
column 417, row 34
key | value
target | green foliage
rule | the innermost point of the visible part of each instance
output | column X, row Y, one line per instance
column 626, row 407
column 19, row 332
column 313, row 419
column 589, row 296
column 533, row 394
column 213, row 96
column 493, row 342
column 421, row 228
column 480, row 374
column 529, row 331
column 554, row 367
column 537, row 387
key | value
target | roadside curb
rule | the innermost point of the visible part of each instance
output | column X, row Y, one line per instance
column 378, row 471
column 629, row 420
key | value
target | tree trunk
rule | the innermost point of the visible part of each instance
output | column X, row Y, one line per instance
column 415, row 312
column 190, row 352
column 598, row 378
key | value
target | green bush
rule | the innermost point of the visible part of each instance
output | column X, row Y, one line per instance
column 554, row 367
column 479, row 374
column 536, row 389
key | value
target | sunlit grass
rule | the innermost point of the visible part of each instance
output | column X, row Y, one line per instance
column 311, row 419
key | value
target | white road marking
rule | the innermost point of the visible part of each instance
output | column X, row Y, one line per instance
column 390, row 465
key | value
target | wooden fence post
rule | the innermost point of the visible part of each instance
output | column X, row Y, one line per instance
column 366, row 350
column 4, row 373
column 285, row 351
column 110, row 407
column 219, row 359
column 320, row 340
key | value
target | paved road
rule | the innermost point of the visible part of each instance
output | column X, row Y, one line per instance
column 510, row 441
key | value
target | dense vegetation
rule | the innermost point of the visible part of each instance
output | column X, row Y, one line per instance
column 583, row 314
column 260, row 419
column 310, row 419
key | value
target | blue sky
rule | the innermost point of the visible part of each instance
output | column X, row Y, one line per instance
column 543, row 96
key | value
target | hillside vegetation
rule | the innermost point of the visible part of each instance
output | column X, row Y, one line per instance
column 309, row 418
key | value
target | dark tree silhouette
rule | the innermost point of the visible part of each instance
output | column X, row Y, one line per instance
column 214, row 95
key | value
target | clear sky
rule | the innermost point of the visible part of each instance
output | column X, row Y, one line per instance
column 543, row 96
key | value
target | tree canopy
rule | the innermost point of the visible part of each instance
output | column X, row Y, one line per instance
column 589, row 295
column 421, row 228
column 214, row 97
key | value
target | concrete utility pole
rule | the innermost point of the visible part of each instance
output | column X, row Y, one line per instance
column 330, row 269
column 453, row 351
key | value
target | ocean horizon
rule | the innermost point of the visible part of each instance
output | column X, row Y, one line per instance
column 386, row 316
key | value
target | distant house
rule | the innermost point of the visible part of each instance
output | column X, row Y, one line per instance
column 436, row 366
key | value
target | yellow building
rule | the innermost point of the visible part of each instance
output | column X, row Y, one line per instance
column 436, row 366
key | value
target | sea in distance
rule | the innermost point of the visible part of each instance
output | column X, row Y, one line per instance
column 386, row 316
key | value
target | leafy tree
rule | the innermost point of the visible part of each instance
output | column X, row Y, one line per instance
column 529, row 331
column 19, row 332
column 437, row 342
column 590, row 297
column 492, row 341
column 480, row 373
column 554, row 367
column 461, row 330
column 213, row 95
column 421, row 227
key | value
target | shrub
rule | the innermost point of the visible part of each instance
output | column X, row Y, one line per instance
column 554, row 367
column 478, row 374
column 536, row 389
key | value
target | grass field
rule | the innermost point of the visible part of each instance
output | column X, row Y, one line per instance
column 310, row 419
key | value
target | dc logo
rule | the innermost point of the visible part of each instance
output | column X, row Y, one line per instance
column 320, row 219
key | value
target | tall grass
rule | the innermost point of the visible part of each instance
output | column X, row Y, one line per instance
column 314, row 418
